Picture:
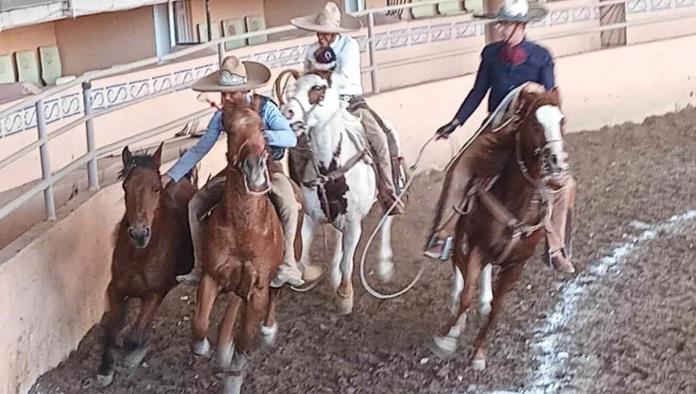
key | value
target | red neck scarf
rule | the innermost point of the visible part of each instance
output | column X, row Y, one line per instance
column 513, row 55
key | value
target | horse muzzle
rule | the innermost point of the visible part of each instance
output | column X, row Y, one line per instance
column 256, row 176
column 140, row 236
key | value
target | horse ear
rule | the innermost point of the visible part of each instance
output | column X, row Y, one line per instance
column 556, row 95
column 126, row 156
column 157, row 156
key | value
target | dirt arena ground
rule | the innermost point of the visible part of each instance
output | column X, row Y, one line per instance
column 623, row 324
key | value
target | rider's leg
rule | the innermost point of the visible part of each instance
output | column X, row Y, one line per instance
column 481, row 159
column 283, row 198
column 379, row 145
column 457, row 180
column 556, row 231
column 202, row 202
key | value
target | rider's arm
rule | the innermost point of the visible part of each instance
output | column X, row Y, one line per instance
column 347, row 65
column 196, row 153
column 478, row 92
column 278, row 132
column 548, row 78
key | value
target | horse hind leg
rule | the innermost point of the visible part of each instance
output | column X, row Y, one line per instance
column 351, row 237
column 470, row 269
column 506, row 279
column 457, row 288
column 136, row 341
column 336, row 259
column 269, row 329
column 385, row 268
column 113, row 322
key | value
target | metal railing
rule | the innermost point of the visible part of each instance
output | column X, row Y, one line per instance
column 93, row 153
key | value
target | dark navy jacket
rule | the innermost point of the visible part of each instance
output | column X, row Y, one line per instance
column 501, row 78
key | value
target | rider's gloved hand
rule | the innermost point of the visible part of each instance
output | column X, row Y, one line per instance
column 445, row 131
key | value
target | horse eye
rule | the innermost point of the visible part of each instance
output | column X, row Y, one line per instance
column 156, row 190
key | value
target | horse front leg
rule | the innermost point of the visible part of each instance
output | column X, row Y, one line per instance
column 351, row 237
column 205, row 299
column 469, row 267
column 486, row 292
column 252, row 316
column 506, row 279
column 385, row 267
column 113, row 322
column 225, row 346
column 269, row 329
column 136, row 341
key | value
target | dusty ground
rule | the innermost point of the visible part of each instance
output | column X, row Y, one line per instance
column 626, row 320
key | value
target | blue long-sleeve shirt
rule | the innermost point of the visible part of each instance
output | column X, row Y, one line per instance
column 502, row 78
column 277, row 130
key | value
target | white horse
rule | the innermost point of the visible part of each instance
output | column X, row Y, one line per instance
column 337, row 148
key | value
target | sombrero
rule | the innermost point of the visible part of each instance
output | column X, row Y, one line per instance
column 516, row 11
column 234, row 76
column 328, row 20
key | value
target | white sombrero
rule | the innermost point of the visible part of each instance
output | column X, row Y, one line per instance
column 516, row 11
column 328, row 20
column 234, row 76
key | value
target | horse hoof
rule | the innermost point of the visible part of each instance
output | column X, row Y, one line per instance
column 233, row 384
column 239, row 362
column 134, row 358
column 478, row 364
column 201, row 348
column 345, row 305
column 105, row 380
column 385, row 271
column 223, row 355
column 485, row 310
column 444, row 347
column 268, row 334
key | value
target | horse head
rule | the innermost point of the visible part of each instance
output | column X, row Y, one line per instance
column 246, row 147
column 143, row 187
column 540, row 137
column 312, row 103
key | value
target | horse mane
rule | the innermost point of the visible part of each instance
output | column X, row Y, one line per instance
column 136, row 161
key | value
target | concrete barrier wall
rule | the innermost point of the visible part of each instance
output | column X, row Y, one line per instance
column 52, row 289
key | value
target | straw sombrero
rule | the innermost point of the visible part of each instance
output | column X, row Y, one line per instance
column 234, row 76
column 516, row 11
column 328, row 20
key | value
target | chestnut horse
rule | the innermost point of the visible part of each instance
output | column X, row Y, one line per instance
column 506, row 221
column 153, row 246
column 243, row 247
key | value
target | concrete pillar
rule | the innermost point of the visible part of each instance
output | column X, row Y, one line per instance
column 491, row 7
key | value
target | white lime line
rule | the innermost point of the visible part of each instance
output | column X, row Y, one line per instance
column 550, row 338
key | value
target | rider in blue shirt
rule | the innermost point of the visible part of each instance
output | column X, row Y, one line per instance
column 234, row 81
column 505, row 65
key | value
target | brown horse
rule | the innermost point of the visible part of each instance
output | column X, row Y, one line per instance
column 153, row 245
column 505, row 222
column 243, row 247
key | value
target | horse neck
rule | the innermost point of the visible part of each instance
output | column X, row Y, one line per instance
column 235, row 198
column 327, row 137
column 513, row 189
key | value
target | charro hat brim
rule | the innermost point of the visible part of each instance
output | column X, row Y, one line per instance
column 258, row 76
column 348, row 24
column 534, row 14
